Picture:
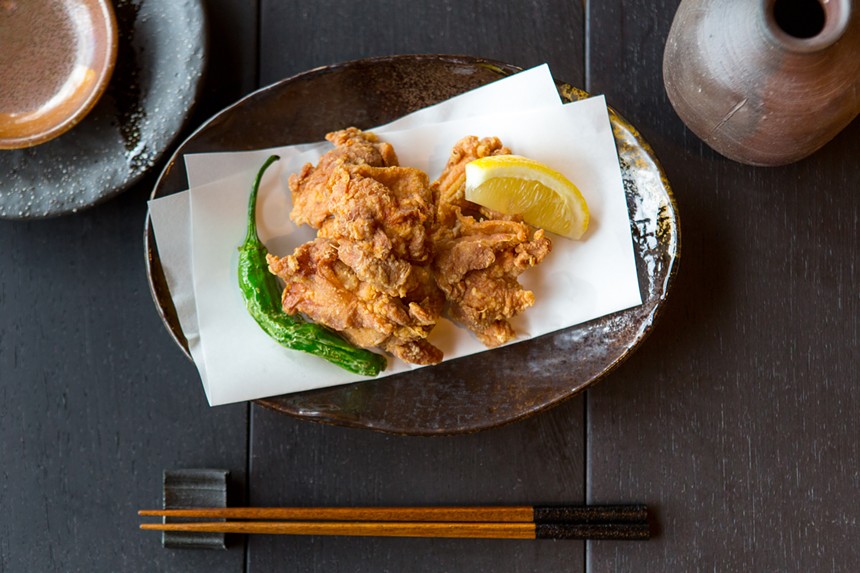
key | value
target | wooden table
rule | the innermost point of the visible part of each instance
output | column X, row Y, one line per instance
column 737, row 421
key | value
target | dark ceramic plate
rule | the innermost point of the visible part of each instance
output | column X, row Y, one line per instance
column 479, row 391
column 159, row 65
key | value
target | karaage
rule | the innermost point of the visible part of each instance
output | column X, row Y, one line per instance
column 480, row 252
column 392, row 250
column 368, row 272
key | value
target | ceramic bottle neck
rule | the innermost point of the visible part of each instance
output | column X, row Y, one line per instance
column 804, row 26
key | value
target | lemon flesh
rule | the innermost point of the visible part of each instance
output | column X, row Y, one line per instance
column 516, row 185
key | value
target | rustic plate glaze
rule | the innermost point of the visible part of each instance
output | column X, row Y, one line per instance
column 159, row 64
column 475, row 392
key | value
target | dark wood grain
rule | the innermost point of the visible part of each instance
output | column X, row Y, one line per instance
column 737, row 420
column 296, row 36
column 96, row 399
column 296, row 462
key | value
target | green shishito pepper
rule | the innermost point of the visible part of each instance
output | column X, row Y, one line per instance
column 262, row 297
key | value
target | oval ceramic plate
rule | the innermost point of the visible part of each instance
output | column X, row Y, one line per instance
column 160, row 60
column 515, row 381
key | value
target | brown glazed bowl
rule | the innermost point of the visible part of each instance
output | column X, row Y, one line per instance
column 482, row 390
column 56, row 58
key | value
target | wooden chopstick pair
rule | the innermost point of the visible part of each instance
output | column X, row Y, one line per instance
column 488, row 522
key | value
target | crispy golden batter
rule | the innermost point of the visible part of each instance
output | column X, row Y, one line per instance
column 381, row 218
column 368, row 273
column 479, row 252
column 321, row 286
column 477, row 269
column 391, row 249
column 449, row 190
column 310, row 186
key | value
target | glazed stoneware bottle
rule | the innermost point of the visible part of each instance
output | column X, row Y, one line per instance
column 764, row 82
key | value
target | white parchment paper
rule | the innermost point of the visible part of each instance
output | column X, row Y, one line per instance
column 171, row 216
column 579, row 280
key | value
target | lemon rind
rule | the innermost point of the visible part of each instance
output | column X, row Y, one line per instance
column 484, row 169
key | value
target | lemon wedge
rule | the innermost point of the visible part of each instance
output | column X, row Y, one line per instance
column 516, row 185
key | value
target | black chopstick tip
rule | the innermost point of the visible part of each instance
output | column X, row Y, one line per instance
column 594, row 531
column 628, row 513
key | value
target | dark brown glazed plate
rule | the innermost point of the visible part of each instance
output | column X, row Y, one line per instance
column 482, row 390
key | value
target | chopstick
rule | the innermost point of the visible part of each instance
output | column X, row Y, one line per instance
column 503, row 514
column 474, row 530
column 487, row 522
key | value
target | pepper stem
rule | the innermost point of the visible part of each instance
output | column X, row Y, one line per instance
column 252, row 236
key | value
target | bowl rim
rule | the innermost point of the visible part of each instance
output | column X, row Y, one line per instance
column 105, row 10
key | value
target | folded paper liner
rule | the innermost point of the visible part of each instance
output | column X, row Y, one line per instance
column 198, row 233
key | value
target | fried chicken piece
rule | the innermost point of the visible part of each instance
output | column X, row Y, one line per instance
column 480, row 253
column 392, row 249
column 310, row 186
column 449, row 189
column 326, row 290
column 395, row 201
column 477, row 269
column 381, row 218
column 379, row 213
column 367, row 274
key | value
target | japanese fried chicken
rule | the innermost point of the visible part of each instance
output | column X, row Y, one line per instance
column 479, row 253
column 310, row 187
column 392, row 250
column 367, row 274
column 324, row 288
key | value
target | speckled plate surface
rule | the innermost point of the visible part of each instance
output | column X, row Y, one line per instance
column 160, row 61
column 478, row 391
